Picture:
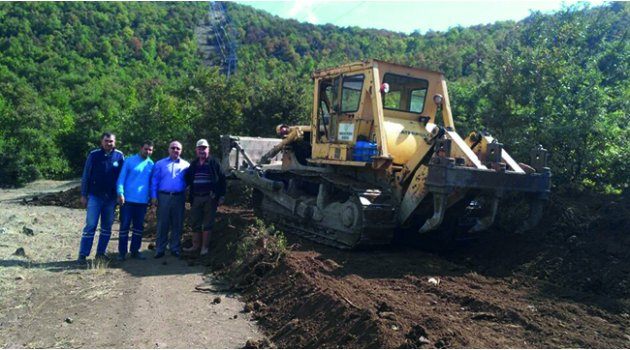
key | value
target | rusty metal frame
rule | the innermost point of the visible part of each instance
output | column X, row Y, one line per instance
column 449, row 176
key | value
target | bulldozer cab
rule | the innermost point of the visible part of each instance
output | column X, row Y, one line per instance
column 373, row 105
column 339, row 102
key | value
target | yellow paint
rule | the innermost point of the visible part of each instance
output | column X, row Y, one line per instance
column 404, row 138
column 414, row 195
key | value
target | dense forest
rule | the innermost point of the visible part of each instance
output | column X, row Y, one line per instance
column 69, row 71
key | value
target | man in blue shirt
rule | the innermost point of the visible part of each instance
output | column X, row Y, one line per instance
column 167, row 193
column 98, row 193
column 133, row 196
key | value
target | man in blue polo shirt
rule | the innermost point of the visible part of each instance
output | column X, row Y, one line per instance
column 167, row 192
column 98, row 193
column 133, row 196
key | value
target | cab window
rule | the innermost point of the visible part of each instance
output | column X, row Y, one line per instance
column 405, row 94
column 351, row 93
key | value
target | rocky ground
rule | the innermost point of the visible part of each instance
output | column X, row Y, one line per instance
column 562, row 285
column 49, row 301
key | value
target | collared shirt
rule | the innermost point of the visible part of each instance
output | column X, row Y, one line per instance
column 101, row 172
column 134, row 179
column 168, row 175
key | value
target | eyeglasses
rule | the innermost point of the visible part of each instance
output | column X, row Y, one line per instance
column 175, row 148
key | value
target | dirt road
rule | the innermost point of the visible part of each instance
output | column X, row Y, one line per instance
column 48, row 301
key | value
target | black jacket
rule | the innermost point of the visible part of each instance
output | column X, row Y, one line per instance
column 216, row 174
column 100, row 173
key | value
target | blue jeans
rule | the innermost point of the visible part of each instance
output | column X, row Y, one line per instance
column 131, row 213
column 103, row 208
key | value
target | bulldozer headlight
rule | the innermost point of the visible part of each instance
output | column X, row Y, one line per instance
column 282, row 130
column 437, row 98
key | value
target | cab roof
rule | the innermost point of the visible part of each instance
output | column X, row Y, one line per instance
column 360, row 65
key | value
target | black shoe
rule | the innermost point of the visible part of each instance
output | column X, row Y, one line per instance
column 138, row 256
column 82, row 259
column 176, row 254
column 159, row 255
column 121, row 257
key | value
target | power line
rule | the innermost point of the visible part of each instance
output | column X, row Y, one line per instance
column 348, row 12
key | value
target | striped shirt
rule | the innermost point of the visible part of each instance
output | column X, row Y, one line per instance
column 202, row 180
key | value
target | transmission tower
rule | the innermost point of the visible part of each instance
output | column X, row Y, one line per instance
column 224, row 35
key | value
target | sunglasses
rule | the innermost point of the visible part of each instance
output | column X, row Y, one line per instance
column 175, row 148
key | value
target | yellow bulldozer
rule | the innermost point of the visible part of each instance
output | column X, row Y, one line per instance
column 381, row 153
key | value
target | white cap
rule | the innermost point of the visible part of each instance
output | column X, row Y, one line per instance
column 203, row 143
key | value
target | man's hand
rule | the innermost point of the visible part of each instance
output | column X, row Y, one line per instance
column 121, row 199
column 84, row 201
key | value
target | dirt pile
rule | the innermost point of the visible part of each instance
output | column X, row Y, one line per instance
column 68, row 199
column 564, row 285
column 580, row 251
column 72, row 199
column 243, row 250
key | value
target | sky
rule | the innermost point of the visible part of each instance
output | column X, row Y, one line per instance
column 408, row 16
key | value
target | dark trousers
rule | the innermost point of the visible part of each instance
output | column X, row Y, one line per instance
column 170, row 217
column 131, row 214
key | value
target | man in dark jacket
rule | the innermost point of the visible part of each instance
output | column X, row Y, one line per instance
column 207, row 192
column 98, row 193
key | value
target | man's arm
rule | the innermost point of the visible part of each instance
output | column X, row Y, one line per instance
column 155, row 180
column 188, row 175
column 85, row 178
column 221, row 185
column 150, row 184
column 120, row 183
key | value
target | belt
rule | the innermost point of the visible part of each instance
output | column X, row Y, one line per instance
column 203, row 194
column 171, row 193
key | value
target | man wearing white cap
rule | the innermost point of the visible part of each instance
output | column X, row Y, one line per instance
column 207, row 191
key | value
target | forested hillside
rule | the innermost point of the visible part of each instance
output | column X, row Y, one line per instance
column 69, row 71
column 559, row 80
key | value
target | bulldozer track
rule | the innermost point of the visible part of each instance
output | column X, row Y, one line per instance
column 377, row 225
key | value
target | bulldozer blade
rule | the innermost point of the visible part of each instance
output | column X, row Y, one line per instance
column 439, row 207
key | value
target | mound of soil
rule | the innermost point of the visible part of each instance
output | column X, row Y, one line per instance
column 68, row 199
column 72, row 199
column 563, row 285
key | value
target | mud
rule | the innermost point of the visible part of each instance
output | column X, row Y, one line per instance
column 563, row 285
